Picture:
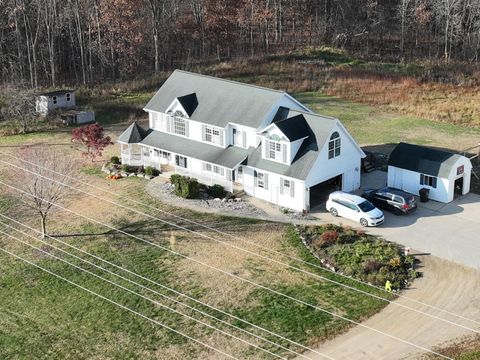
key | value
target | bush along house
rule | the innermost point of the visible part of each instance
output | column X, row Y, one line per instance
column 243, row 137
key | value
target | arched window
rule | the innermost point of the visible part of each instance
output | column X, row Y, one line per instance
column 334, row 145
column 179, row 113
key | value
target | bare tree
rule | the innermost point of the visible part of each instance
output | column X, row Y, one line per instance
column 19, row 107
column 403, row 10
column 43, row 193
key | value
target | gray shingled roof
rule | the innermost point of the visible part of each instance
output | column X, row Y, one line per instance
column 319, row 128
column 133, row 134
column 229, row 157
column 219, row 101
column 423, row 160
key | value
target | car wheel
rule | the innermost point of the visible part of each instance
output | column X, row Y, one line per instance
column 397, row 211
column 363, row 222
column 334, row 212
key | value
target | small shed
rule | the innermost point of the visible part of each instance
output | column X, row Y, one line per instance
column 75, row 117
column 47, row 102
column 413, row 167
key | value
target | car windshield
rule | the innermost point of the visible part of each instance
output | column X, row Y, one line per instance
column 366, row 206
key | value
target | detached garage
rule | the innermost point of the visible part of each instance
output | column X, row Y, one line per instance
column 445, row 174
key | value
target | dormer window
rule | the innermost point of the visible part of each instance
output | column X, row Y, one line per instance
column 275, row 150
column 334, row 145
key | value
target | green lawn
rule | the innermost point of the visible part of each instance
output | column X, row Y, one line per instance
column 44, row 317
column 370, row 126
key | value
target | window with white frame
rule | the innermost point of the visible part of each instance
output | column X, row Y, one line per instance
column 428, row 180
column 166, row 155
column 212, row 135
column 275, row 150
column 261, row 180
column 218, row 170
column 334, row 145
column 181, row 161
column 146, row 151
column 287, row 187
column 179, row 126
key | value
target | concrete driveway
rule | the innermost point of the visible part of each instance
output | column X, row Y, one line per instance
column 449, row 231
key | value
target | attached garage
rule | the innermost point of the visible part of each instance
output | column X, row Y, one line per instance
column 445, row 174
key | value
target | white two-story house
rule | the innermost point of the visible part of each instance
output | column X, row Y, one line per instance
column 243, row 137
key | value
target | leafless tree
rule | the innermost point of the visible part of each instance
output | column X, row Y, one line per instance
column 18, row 107
column 43, row 193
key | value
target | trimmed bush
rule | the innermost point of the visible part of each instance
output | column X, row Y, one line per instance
column 149, row 170
column 128, row 168
column 115, row 160
column 185, row 187
column 216, row 191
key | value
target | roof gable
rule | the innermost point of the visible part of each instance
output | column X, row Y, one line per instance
column 294, row 128
column 133, row 134
column 189, row 103
column 423, row 160
column 219, row 101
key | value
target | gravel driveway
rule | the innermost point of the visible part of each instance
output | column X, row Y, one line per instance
column 440, row 287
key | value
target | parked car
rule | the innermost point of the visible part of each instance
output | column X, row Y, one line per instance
column 355, row 208
column 397, row 201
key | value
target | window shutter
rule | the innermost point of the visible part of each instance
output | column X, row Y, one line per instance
column 265, row 181
column 284, row 152
column 203, row 133
column 186, row 128
column 292, row 188
column 255, row 180
column 267, row 145
column 434, row 182
column 244, row 139
column 281, row 186
column 421, row 179
column 169, row 124
column 222, row 133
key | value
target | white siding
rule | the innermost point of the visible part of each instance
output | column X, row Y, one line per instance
column 444, row 192
column 348, row 164
column 272, row 193
column 45, row 104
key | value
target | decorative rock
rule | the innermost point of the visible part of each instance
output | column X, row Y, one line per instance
column 124, row 174
column 217, row 199
column 148, row 177
column 132, row 174
column 238, row 199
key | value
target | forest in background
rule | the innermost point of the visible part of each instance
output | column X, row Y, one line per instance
column 53, row 42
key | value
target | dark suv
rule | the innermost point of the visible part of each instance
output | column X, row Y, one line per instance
column 397, row 201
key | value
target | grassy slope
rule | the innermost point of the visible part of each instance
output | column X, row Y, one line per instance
column 42, row 317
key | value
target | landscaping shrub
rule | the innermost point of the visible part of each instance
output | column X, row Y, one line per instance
column 365, row 257
column 115, row 160
column 185, row 187
column 329, row 237
column 149, row 170
column 216, row 191
column 128, row 168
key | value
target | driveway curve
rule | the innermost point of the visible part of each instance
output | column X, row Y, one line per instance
column 444, row 284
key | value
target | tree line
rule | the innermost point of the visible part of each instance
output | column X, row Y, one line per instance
column 48, row 42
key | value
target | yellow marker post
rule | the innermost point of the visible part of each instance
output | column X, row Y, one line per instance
column 388, row 286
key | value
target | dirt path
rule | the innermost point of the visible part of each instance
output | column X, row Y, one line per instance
column 446, row 285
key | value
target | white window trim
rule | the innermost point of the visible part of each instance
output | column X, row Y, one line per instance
column 213, row 170
column 334, row 145
column 279, row 155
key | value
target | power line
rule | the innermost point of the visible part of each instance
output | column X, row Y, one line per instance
column 164, row 287
column 246, row 240
column 119, row 305
column 142, row 296
column 237, row 277
column 253, row 253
